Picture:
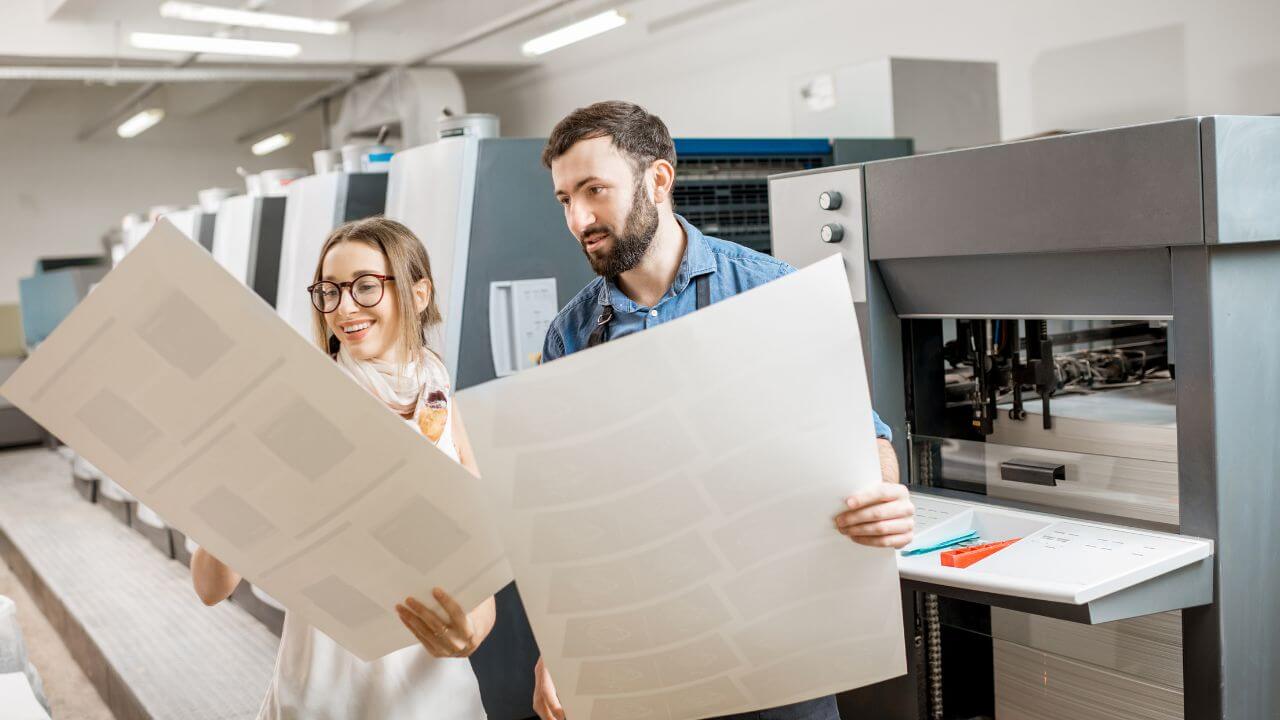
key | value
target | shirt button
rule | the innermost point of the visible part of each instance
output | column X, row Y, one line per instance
column 653, row 313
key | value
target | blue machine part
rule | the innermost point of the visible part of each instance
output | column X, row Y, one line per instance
column 751, row 147
column 722, row 184
column 47, row 298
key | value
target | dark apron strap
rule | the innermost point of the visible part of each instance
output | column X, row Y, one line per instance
column 702, row 284
column 600, row 333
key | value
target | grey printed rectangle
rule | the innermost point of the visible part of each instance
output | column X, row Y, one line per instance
column 305, row 439
column 614, row 526
column 341, row 601
column 698, row 700
column 702, row 658
column 662, row 623
column 118, row 424
column 185, row 336
column 421, row 535
column 638, row 453
column 752, row 537
column 683, row 562
column 777, row 583
column 233, row 518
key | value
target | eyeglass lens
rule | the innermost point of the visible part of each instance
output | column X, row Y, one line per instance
column 366, row 290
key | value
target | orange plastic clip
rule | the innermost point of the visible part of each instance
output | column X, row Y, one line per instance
column 964, row 557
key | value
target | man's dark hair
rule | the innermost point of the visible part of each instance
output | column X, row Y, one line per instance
column 640, row 136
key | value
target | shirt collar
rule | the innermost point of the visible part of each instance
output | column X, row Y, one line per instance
column 697, row 260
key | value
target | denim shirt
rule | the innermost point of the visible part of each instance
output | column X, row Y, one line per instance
column 732, row 268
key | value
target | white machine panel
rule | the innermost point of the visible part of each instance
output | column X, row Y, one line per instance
column 184, row 220
column 520, row 312
column 134, row 235
column 310, row 214
column 232, row 236
column 430, row 189
column 1057, row 560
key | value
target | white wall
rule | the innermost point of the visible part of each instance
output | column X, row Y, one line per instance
column 1063, row 64
column 59, row 196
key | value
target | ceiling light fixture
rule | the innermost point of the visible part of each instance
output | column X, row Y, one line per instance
column 569, row 34
column 197, row 12
column 140, row 123
column 213, row 45
column 271, row 144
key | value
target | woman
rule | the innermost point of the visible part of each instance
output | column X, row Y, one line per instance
column 374, row 303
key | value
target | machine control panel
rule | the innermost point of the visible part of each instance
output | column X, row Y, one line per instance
column 804, row 232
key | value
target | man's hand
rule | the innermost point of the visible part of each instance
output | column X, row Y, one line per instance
column 882, row 516
column 545, row 701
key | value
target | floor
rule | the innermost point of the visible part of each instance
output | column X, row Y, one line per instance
column 69, row 692
column 126, row 612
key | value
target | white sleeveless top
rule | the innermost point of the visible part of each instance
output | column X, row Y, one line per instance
column 315, row 679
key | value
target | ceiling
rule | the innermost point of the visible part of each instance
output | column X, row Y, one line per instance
column 382, row 31
column 93, row 34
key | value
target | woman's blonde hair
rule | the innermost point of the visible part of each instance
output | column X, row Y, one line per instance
column 407, row 262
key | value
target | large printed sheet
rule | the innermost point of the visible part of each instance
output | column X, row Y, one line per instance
column 668, row 502
column 186, row 388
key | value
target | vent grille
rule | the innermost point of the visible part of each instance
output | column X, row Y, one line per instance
column 727, row 196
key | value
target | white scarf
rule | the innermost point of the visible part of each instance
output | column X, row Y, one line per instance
column 417, row 392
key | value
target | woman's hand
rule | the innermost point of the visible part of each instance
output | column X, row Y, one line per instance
column 213, row 580
column 545, row 701
column 452, row 633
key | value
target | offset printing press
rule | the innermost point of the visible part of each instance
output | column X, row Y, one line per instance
column 1064, row 335
column 315, row 205
column 246, row 241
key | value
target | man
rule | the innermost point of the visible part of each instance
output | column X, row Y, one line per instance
column 613, row 167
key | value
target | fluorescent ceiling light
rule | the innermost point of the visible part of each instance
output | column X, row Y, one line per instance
column 196, row 12
column 214, row 45
column 569, row 34
column 271, row 144
column 140, row 123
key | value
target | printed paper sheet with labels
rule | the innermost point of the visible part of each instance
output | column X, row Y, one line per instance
column 186, row 388
column 668, row 498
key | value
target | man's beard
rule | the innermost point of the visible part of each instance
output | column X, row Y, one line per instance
column 629, row 247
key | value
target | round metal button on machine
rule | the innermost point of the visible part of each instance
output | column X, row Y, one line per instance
column 832, row 233
column 830, row 200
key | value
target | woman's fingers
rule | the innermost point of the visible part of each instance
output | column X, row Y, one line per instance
column 428, row 616
column 459, row 622
column 446, row 636
column 432, row 642
column 457, row 616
